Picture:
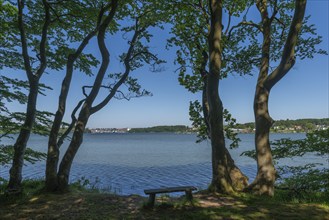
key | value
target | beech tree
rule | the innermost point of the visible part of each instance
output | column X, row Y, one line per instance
column 193, row 37
column 145, row 15
column 221, row 181
column 242, row 53
column 280, row 46
column 33, row 74
column 55, row 140
column 12, row 90
column 34, row 39
column 302, row 181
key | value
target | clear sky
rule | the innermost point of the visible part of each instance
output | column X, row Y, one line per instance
column 303, row 93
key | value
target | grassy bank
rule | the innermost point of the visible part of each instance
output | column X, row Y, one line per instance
column 84, row 204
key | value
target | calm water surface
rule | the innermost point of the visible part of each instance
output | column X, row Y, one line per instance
column 129, row 163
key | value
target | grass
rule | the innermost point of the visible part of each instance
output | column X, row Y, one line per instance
column 79, row 203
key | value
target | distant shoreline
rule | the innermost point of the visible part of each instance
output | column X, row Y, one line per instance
column 280, row 126
column 301, row 132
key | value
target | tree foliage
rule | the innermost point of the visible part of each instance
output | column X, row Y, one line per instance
column 13, row 90
column 174, row 128
column 191, row 37
column 307, row 178
column 69, row 22
column 136, row 18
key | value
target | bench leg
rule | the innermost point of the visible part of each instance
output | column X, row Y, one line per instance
column 188, row 194
column 151, row 201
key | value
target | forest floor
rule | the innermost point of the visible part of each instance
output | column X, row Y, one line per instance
column 93, row 205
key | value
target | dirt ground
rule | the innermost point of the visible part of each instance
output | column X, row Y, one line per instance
column 84, row 205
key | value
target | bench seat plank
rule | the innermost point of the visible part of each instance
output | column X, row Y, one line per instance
column 152, row 192
column 170, row 189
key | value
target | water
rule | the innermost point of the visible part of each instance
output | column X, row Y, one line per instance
column 129, row 163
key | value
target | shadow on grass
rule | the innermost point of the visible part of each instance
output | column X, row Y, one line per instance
column 208, row 206
column 91, row 205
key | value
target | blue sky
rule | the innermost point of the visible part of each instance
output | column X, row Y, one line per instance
column 303, row 93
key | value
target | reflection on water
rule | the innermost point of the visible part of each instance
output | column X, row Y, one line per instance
column 129, row 163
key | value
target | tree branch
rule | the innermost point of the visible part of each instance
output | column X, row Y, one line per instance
column 288, row 55
column 283, row 27
column 228, row 23
column 25, row 53
column 244, row 23
column 262, row 8
column 126, row 73
column 43, row 42
column 71, row 126
column 275, row 11
column 123, row 96
column 92, row 33
column 104, row 53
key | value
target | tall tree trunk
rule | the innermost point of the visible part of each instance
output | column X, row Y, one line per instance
column 221, row 181
column 24, row 134
column 77, row 138
column 53, row 145
column 264, row 181
column 86, row 110
column 53, row 142
column 239, row 180
column 266, row 174
column 23, row 137
column 53, row 148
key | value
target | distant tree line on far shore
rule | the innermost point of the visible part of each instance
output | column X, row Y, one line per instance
column 309, row 124
column 174, row 128
column 300, row 125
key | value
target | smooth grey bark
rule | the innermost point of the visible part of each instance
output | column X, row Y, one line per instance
column 54, row 142
column 266, row 173
column 77, row 138
column 15, row 172
column 87, row 108
column 22, row 139
column 221, row 181
column 239, row 180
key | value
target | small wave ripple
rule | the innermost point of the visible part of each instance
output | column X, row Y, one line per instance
column 125, row 180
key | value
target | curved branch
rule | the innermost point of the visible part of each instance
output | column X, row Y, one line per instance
column 104, row 52
column 126, row 73
column 25, row 53
column 288, row 55
column 283, row 27
column 275, row 11
column 43, row 42
column 244, row 23
column 71, row 126
column 262, row 8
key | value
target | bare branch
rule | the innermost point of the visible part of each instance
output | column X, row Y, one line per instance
column 228, row 23
column 205, row 57
column 283, row 27
column 129, row 96
column 84, row 90
column 123, row 96
column 244, row 23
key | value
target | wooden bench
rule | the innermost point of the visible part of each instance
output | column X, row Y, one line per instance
column 152, row 192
